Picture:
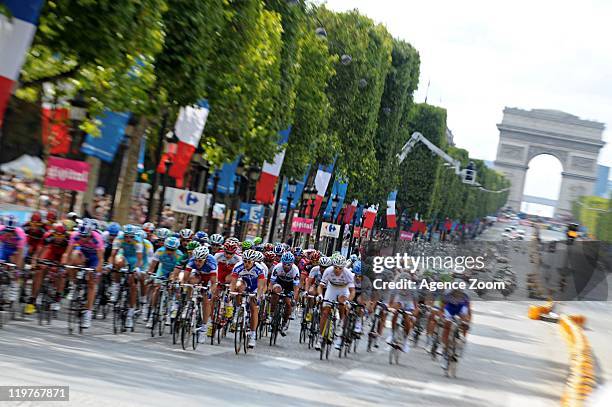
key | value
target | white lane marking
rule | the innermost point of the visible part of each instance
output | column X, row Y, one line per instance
column 285, row 363
column 363, row 376
column 449, row 390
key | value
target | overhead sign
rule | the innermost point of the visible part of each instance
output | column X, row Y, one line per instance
column 67, row 174
column 330, row 230
column 404, row 235
column 302, row 225
column 189, row 202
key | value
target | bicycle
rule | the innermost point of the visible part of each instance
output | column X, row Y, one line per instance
column 78, row 303
column 218, row 317
column 375, row 324
column 176, row 309
column 8, row 272
column 306, row 313
column 102, row 301
column 328, row 334
column 243, row 322
column 418, row 329
column 454, row 348
column 276, row 324
column 159, row 314
column 349, row 337
column 435, row 336
column 48, row 293
column 313, row 332
column 398, row 335
column 263, row 327
column 121, row 306
column 191, row 317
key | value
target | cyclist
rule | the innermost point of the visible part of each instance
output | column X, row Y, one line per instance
column 53, row 246
column 161, row 235
column 363, row 293
column 248, row 277
column 270, row 262
column 12, row 246
column 149, row 229
column 339, row 286
column 35, row 230
column 185, row 235
column 162, row 266
column 85, row 248
column 111, row 233
column 202, row 269
column 285, row 278
column 201, row 237
column 456, row 303
column 262, row 264
column 147, row 255
column 189, row 248
column 405, row 300
column 278, row 250
column 216, row 243
column 314, row 278
column 227, row 260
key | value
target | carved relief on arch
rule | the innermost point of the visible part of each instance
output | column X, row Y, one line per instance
column 582, row 163
column 537, row 150
column 512, row 152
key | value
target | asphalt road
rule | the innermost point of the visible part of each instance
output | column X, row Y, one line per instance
column 509, row 361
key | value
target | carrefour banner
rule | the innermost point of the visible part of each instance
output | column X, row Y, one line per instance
column 112, row 131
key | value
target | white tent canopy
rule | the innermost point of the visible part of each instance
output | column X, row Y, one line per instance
column 26, row 166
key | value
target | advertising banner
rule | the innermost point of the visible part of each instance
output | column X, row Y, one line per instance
column 330, row 230
column 67, row 174
column 302, row 225
column 189, row 202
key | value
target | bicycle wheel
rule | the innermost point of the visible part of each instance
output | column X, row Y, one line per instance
column 71, row 317
column 196, row 326
column 324, row 345
column 186, row 327
column 162, row 314
column 214, row 321
column 238, row 331
column 117, row 326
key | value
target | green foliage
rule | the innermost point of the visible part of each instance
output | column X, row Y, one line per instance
column 593, row 212
column 400, row 83
column 355, row 93
column 244, row 87
column 420, row 170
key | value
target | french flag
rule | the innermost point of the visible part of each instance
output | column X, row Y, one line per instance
column 391, row 222
column 370, row 217
column 322, row 179
column 350, row 212
column 188, row 129
column 264, row 192
column 16, row 35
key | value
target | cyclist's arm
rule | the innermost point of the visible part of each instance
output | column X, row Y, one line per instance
column 139, row 259
column 100, row 253
column 351, row 293
column 67, row 253
column 111, row 258
column 152, row 266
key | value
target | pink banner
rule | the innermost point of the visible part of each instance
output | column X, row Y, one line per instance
column 67, row 174
column 406, row 235
column 302, row 225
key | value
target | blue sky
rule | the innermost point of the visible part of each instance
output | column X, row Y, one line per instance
column 481, row 56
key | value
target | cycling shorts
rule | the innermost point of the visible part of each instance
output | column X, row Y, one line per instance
column 452, row 310
column 332, row 293
column 7, row 252
column 287, row 286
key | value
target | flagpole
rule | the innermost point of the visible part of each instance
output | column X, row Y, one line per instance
column 158, row 154
column 279, row 193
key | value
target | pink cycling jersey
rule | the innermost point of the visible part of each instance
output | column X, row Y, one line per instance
column 16, row 240
column 89, row 245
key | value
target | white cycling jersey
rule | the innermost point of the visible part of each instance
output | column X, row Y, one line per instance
column 345, row 279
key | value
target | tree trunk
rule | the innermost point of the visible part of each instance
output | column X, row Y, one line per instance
column 92, row 183
column 129, row 172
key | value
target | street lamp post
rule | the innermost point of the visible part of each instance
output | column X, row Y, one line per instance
column 212, row 226
column 334, row 204
column 291, row 191
column 279, row 193
column 168, row 164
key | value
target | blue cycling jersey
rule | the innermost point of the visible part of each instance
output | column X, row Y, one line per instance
column 209, row 266
column 167, row 260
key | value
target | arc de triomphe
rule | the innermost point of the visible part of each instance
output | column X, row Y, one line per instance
column 525, row 134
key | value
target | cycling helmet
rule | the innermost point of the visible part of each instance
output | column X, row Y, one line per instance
column 268, row 247
column 233, row 239
column 259, row 248
column 249, row 255
column 201, row 237
column 59, row 228
column 357, row 268
column 200, row 253
column 175, row 234
column 52, row 215
column 278, row 249
column 85, row 228
column 230, row 246
column 354, row 257
column 102, row 225
column 260, row 257
column 216, row 239
column 9, row 222
column 297, row 251
column 287, row 258
column 338, row 260
column 172, row 243
column 148, row 227
column 247, row 244
column 257, row 240
column 141, row 234
column 269, row 256
column 192, row 245
column 162, row 233
column 113, row 229
column 129, row 230
column 36, row 217
column 315, row 256
column 325, row 262
column 72, row 215
column 186, row 233
column 285, row 247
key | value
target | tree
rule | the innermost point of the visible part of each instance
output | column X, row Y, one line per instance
column 364, row 55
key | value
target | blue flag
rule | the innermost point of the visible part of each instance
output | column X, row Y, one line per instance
column 299, row 188
column 227, row 175
column 112, row 131
column 338, row 189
